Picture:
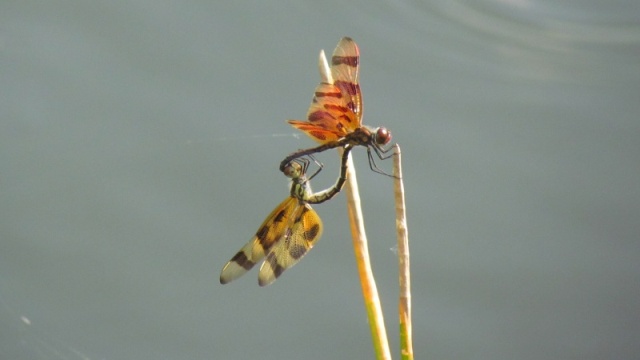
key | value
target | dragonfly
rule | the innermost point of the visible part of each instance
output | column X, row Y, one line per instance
column 290, row 230
column 334, row 118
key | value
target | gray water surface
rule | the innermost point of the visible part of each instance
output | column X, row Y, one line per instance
column 139, row 150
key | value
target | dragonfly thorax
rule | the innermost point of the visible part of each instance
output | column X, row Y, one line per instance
column 300, row 189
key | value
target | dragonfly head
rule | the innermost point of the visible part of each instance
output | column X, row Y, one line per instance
column 382, row 136
column 293, row 170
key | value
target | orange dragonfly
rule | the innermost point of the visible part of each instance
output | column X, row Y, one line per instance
column 334, row 118
column 291, row 229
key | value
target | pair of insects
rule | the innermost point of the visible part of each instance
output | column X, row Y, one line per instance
column 334, row 120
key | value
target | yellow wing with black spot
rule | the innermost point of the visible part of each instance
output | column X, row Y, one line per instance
column 298, row 239
column 272, row 229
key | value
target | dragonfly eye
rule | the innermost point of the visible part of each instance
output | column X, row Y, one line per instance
column 383, row 136
column 292, row 170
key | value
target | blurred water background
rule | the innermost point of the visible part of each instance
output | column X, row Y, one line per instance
column 139, row 146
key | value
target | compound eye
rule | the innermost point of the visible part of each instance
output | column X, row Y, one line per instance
column 292, row 170
column 383, row 136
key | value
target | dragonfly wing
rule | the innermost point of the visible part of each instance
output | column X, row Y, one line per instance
column 345, row 64
column 336, row 109
column 298, row 239
column 315, row 131
column 271, row 230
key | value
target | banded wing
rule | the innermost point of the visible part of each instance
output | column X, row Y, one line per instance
column 335, row 115
column 272, row 229
column 345, row 64
column 299, row 238
column 336, row 109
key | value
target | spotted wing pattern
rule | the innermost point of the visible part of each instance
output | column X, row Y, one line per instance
column 298, row 240
column 272, row 229
column 336, row 109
